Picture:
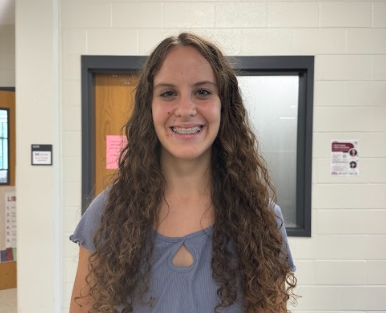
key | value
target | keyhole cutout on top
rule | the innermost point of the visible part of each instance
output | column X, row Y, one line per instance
column 183, row 257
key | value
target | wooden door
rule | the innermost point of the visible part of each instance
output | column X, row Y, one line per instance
column 8, row 269
column 114, row 99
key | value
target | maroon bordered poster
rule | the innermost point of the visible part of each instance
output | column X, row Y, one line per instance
column 345, row 157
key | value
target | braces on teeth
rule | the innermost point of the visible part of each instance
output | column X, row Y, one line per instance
column 186, row 131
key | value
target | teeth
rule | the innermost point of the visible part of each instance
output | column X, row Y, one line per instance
column 186, row 131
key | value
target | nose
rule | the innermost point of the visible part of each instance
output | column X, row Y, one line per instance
column 185, row 106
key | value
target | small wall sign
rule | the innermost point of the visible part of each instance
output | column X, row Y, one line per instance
column 41, row 154
column 345, row 157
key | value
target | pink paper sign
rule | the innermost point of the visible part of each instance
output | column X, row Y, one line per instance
column 114, row 146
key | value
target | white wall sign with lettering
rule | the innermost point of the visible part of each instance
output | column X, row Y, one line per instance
column 41, row 154
column 10, row 219
column 344, row 157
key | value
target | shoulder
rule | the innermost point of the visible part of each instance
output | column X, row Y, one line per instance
column 280, row 225
column 278, row 214
column 96, row 208
column 90, row 222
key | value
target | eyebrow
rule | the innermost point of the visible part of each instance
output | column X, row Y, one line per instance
column 205, row 82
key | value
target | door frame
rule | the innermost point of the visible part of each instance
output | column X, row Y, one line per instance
column 8, row 89
column 90, row 66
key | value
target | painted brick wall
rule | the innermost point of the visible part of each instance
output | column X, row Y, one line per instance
column 342, row 268
column 7, row 55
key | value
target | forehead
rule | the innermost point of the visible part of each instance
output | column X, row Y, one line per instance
column 184, row 62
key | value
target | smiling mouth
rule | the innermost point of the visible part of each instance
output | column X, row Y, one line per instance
column 186, row 131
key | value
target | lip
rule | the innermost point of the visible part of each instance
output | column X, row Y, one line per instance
column 190, row 125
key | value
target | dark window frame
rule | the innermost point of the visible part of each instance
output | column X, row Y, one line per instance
column 303, row 66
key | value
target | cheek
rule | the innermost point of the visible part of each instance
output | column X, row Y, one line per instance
column 160, row 115
column 214, row 113
column 155, row 112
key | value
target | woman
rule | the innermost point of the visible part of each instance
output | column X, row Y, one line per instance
column 188, row 224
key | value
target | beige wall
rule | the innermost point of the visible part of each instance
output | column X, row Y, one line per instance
column 7, row 55
column 342, row 268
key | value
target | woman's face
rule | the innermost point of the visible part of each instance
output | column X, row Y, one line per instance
column 186, row 107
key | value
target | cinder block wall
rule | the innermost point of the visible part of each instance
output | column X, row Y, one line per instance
column 7, row 55
column 342, row 268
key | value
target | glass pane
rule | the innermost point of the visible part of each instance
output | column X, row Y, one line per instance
column 272, row 105
column 4, row 146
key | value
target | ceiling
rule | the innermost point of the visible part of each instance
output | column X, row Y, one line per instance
column 7, row 12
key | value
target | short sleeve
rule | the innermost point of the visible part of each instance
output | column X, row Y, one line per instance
column 286, row 247
column 90, row 222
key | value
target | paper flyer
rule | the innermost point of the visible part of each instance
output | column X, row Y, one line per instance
column 10, row 219
column 114, row 146
column 345, row 157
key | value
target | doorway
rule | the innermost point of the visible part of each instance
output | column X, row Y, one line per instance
column 8, row 272
column 114, row 101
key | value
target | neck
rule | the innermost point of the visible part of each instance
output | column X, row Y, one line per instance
column 187, row 199
column 186, row 177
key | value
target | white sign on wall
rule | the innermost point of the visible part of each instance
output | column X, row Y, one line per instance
column 344, row 157
column 41, row 154
column 10, row 219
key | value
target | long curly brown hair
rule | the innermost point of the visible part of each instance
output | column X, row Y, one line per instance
column 255, row 270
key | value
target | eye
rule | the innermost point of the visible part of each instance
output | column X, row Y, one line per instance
column 203, row 92
column 168, row 94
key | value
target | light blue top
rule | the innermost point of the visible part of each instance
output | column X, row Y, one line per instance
column 174, row 289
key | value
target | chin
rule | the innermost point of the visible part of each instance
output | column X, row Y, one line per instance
column 188, row 155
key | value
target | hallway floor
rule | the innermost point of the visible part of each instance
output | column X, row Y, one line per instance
column 8, row 301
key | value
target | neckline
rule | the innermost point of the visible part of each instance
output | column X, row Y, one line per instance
column 205, row 231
